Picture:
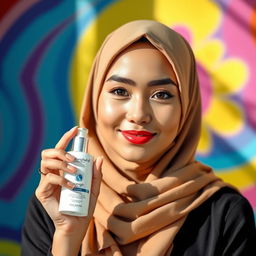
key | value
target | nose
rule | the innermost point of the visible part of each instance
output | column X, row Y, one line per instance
column 138, row 111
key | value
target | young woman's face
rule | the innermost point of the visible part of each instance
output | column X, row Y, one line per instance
column 139, row 106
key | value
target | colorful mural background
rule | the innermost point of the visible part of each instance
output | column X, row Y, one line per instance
column 46, row 49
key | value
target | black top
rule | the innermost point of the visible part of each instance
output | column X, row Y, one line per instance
column 222, row 225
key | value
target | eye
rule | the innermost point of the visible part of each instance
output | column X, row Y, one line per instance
column 162, row 95
column 120, row 92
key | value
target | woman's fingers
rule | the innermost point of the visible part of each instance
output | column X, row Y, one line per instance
column 56, row 159
column 49, row 165
column 66, row 138
column 57, row 153
column 96, row 181
column 97, row 175
column 49, row 183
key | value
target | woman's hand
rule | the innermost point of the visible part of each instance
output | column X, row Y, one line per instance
column 53, row 164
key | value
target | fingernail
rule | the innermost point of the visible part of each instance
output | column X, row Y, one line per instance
column 99, row 161
column 71, row 168
column 71, row 185
column 101, row 158
column 73, row 128
column 70, row 157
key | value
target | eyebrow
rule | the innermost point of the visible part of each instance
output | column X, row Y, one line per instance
column 124, row 80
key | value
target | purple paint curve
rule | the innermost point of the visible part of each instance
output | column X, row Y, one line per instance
column 36, row 114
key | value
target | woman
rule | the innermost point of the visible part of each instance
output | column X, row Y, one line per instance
column 142, row 109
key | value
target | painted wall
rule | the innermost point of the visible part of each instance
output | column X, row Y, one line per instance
column 46, row 49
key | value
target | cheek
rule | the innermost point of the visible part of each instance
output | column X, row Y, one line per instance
column 168, row 118
column 108, row 112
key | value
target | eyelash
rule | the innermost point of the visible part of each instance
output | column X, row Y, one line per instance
column 166, row 93
column 122, row 92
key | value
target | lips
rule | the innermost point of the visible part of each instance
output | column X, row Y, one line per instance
column 137, row 137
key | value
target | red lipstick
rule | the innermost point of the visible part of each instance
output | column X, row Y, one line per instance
column 137, row 137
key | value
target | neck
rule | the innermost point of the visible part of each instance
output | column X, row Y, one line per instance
column 138, row 174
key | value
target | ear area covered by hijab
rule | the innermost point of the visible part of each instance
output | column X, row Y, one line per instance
column 133, row 217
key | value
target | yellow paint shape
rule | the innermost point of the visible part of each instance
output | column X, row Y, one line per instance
column 80, row 67
column 229, row 76
column 9, row 248
column 210, row 53
column 242, row 176
column 205, row 142
column 202, row 17
column 224, row 117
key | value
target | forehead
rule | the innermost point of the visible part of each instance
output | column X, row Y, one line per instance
column 137, row 48
column 144, row 55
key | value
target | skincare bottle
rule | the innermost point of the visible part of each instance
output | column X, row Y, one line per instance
column 76, row 201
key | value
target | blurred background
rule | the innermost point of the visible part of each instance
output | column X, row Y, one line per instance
column 46, row 50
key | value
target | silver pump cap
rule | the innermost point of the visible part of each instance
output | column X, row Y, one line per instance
column 80, row 141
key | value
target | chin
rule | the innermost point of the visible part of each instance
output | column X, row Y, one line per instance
column 137, row 156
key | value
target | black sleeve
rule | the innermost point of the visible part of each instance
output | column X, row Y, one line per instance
column 37, row 231
column 239, row 233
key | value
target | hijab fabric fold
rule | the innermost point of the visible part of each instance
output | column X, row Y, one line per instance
column 133, row 218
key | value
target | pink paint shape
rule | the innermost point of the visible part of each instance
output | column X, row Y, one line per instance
column 206, row 87
column 240, row 42
column 250, row 194
column 184, row 31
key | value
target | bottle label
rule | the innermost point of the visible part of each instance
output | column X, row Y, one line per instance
column 76, row 201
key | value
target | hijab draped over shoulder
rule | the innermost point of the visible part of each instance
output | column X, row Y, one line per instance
column 142, row 218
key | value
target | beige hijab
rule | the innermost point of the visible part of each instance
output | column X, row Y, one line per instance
column 143, row 218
